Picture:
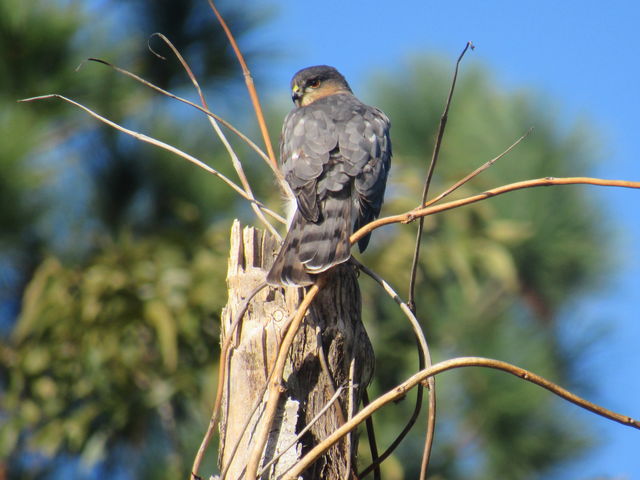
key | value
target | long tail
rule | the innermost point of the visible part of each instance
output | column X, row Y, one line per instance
column 311, row 248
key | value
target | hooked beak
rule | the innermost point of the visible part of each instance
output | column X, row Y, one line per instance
column 296, row 95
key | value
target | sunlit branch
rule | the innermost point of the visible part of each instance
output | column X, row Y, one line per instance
column 477, row 171
column 218, row 118
column 250, row 86
column 402, row 389
column 235, row 161
column 424, row 360
column 158, row 143
column 538, row 182
column 425, row 192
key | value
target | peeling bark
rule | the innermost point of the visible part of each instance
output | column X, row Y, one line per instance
column 332, row 327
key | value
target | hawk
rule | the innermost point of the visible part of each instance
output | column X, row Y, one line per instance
column 335, row 153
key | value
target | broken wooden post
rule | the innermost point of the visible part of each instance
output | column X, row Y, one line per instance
column 332, row 333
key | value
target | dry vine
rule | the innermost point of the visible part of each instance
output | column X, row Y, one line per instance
column 402, row 389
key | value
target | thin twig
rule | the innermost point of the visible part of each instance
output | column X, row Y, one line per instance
column 250, row 86
column 415, row 325
column 327, row 406
column 224, row 355
column 419, row 212
column 427, row 183
column 402, row 389
column 275, row 385
column 235, row 161
column 350, row 410
column 424, row 360
column 272, row 165
column 477, row 171
column 371, row 436
column 137, row 78
column 414, row 266
column 158, row 143
column 430, row 430
column 324, row 365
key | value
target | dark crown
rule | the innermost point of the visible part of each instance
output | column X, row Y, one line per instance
column 321, row 73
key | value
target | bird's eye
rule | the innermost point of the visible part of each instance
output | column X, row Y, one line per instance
column 314, row 83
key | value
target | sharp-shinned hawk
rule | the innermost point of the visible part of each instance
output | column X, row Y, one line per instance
column 335, row 153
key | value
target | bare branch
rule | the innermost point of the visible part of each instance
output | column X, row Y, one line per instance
column 235, row 161
column 424, row 360
column 158, row 143
column 402, row 389
column 250, row 86
column 327, row 406
column 371, row 436
column 477, row 171
column 427, row 183
column 351, row 408
column 419, row 212
column 137, row 78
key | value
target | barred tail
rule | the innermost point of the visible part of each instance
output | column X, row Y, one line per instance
column 311, row 248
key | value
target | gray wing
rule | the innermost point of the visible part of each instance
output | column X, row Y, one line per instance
column 332, row 144
column 309, row 136
column 335, row 155
column 366, row 147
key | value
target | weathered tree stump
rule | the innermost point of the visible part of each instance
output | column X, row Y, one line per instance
column 332, row 321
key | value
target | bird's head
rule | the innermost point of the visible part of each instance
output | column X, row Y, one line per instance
column 313, row 83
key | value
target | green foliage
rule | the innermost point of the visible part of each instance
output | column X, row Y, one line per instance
column 102, row 350
column 33, row 43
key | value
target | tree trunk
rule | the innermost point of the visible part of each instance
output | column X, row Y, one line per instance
column 331, row 334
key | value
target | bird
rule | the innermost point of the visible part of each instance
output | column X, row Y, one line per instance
column 335, row 155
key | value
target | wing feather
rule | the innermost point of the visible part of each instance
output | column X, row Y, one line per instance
column 335, row 154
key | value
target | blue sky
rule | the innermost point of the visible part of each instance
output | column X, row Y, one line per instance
column 582, row 54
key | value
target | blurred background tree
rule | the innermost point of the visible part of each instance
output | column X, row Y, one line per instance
column 100, row 364
column 113, row 254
